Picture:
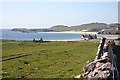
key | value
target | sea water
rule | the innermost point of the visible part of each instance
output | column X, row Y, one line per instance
column 8, row 34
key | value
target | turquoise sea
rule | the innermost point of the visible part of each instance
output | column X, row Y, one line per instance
column 7, row 34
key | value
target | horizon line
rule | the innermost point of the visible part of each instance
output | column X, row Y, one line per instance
column 30, row 27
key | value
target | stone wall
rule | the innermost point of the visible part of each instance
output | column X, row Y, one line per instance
column 104, row 66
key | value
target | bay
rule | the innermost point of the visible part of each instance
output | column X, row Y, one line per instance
column 7, row 34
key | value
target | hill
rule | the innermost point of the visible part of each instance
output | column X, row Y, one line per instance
column 59, row 28
column 95, row 27
column 114, row 25
column 90, row 26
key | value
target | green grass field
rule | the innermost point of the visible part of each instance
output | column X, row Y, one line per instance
column 46, row 60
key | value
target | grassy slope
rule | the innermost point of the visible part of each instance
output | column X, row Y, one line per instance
column 48, row 60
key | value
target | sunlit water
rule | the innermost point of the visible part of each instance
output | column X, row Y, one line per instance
column 7, row 34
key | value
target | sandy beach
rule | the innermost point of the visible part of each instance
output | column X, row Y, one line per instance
column 81, row 32
column 73, row 32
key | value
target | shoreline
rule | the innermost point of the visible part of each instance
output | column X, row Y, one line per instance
column 43, row 40
column 109, row 37
column 65, row 40
column 72, row 32
column 112, row 37
column 81, row 32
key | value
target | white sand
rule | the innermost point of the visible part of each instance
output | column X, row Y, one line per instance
column 73, row 32
column 80, row 32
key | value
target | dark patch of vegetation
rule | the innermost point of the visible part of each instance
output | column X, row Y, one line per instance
column 118, row 39
column 117, row 52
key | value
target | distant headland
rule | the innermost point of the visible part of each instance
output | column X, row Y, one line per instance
column 89, row 27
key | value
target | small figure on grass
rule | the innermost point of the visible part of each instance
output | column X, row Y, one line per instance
column 34, row 40
column 41, row 40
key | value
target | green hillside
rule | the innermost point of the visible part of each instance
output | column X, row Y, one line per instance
column 59, row 28
column 90, row 27
column 115, row 25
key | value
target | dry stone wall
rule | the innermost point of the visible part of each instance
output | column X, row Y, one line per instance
column 104, row 66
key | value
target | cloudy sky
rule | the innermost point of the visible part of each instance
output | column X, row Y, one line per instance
column 47, row 14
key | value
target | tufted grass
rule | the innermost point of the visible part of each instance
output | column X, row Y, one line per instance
column 47, row 59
